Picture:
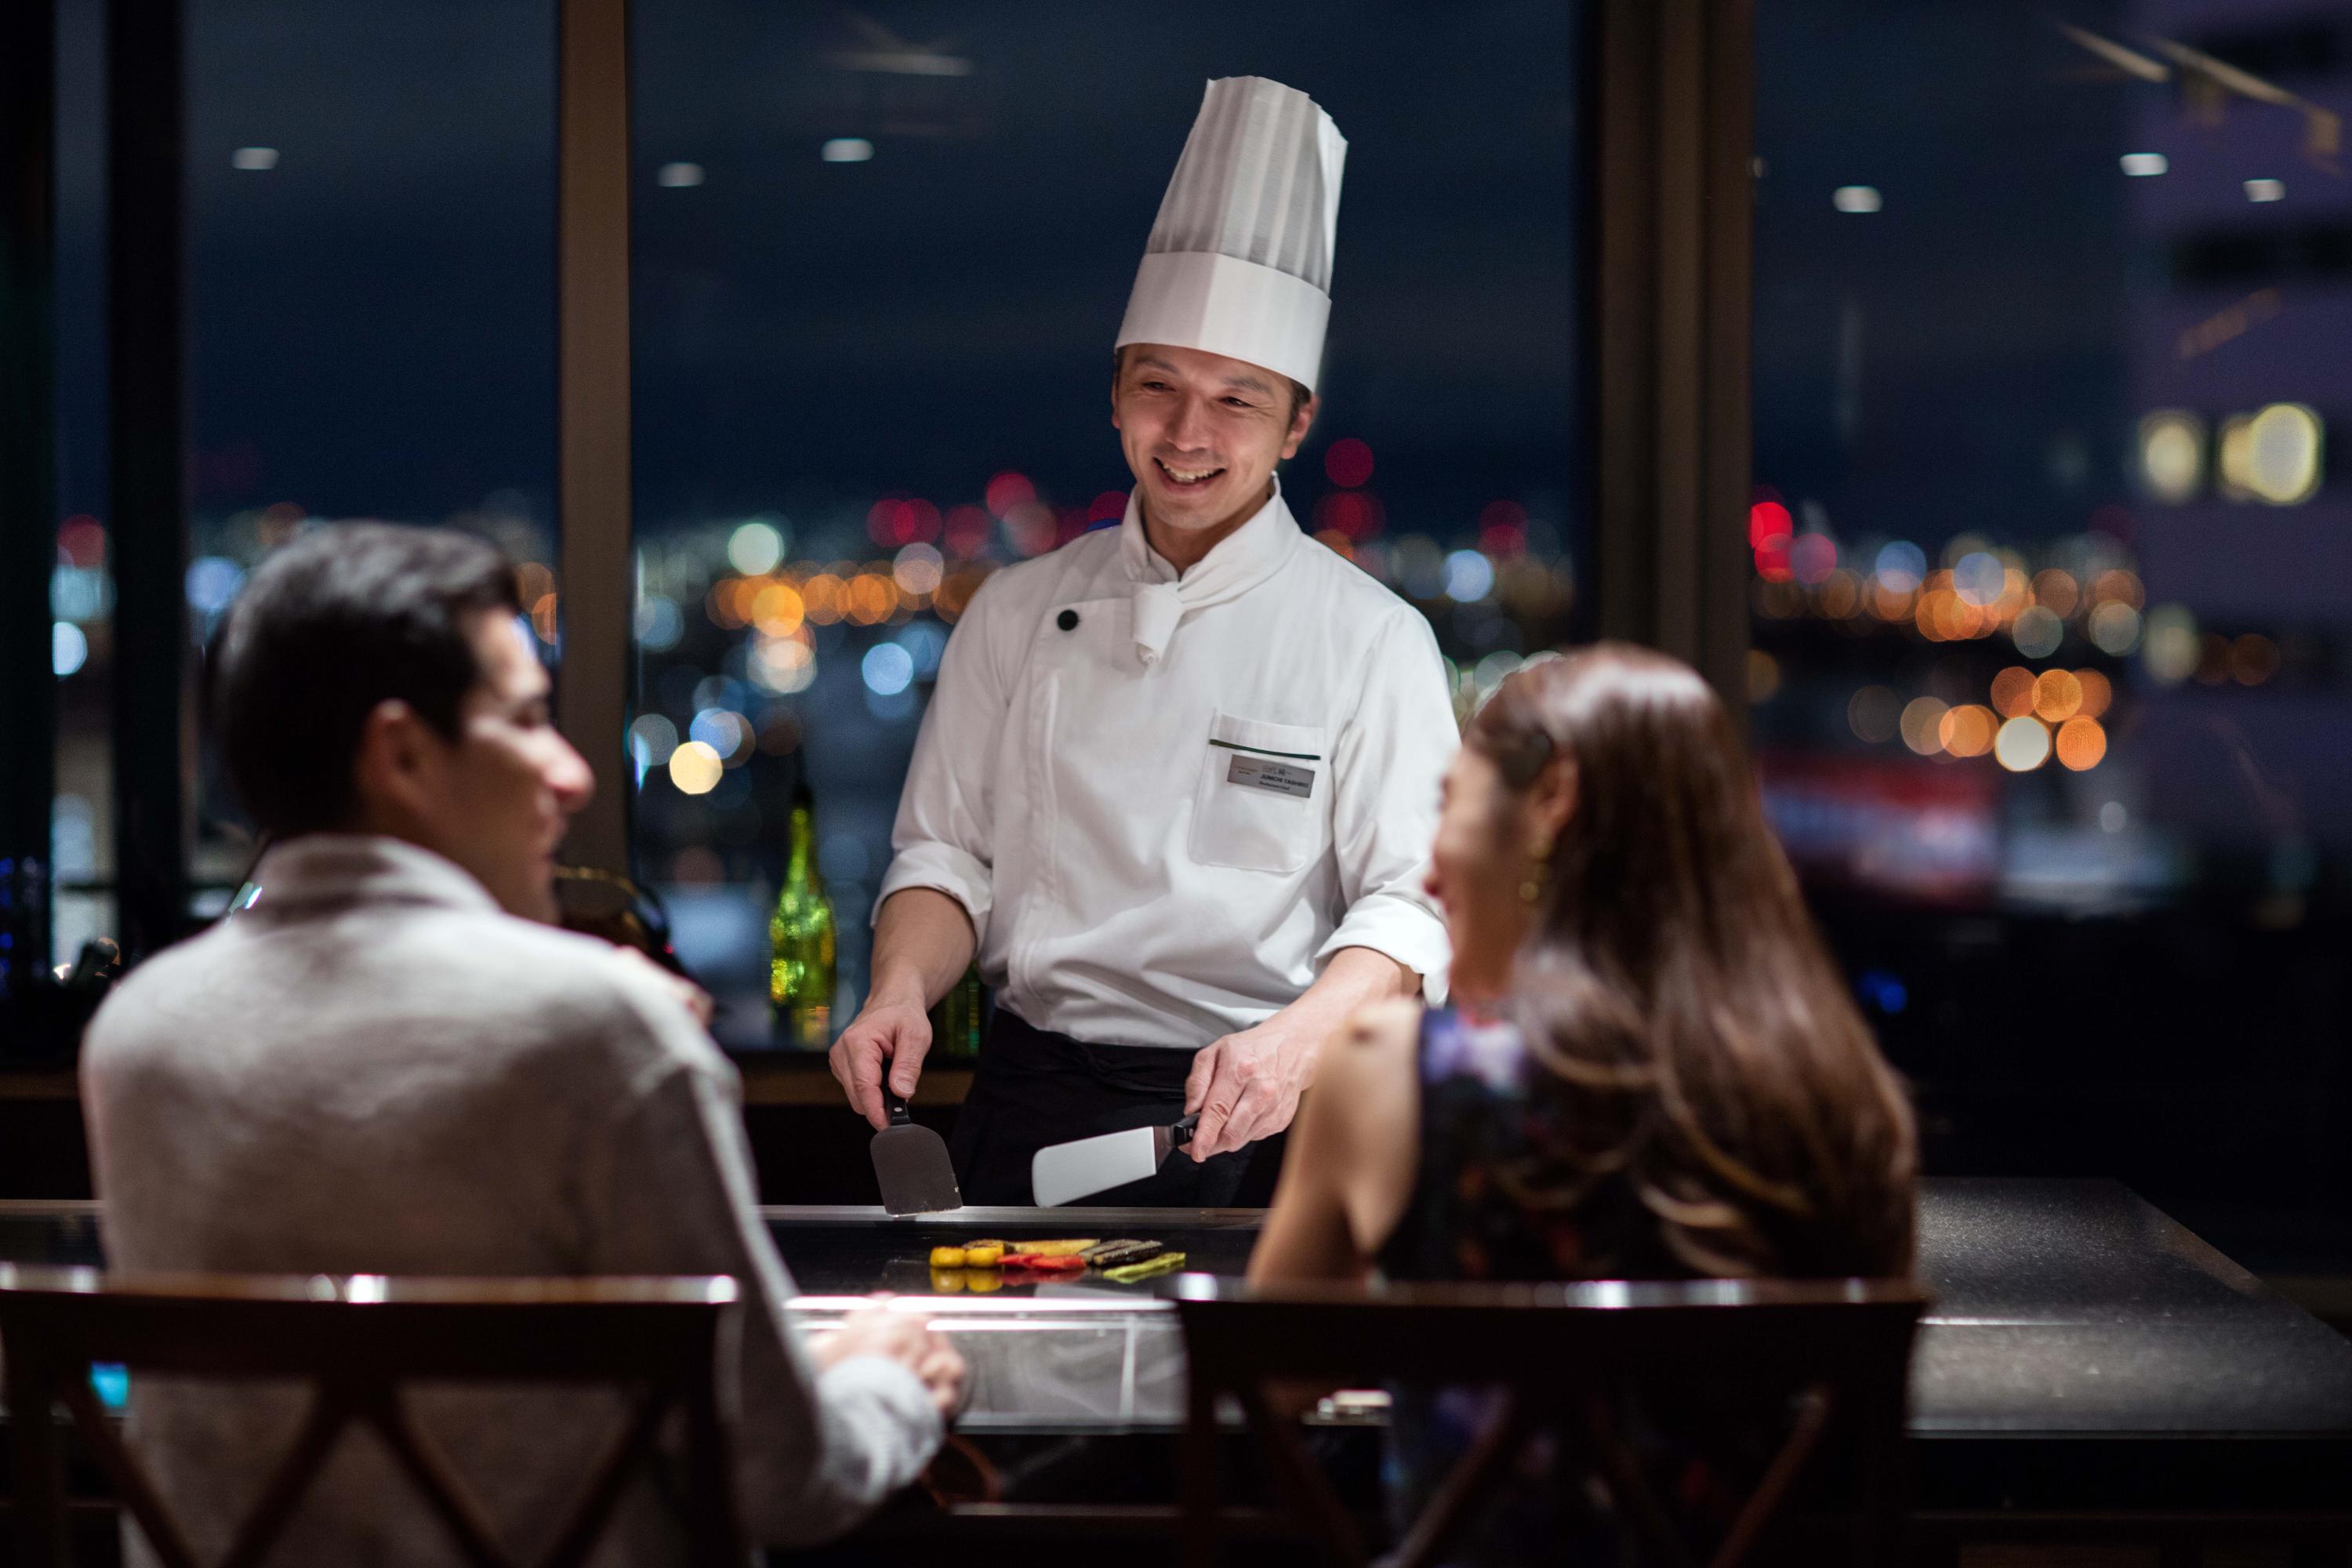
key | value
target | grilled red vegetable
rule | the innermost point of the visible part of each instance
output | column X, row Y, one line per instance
column 1044, row 1263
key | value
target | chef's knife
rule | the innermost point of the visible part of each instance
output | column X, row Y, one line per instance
column 1064, row 1173
column 911, row 1163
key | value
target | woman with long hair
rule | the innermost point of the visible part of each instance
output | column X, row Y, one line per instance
column 1650, row 1069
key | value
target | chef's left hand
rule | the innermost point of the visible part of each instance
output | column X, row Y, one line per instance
column 1246, row 1086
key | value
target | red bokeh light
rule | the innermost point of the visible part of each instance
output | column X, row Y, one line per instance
column 1503, row 514
column 1768, row 521
column 1031, row 528
column 893, row 522
column 81, row 541
column 1355, row 513
column 1503, row 541
column 967, row 530
column 1348, row 462
column 1007, row 491
column 1108, row 507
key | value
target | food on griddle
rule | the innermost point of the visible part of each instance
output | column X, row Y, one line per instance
column 946, row 1256
column 1113, row 1254
column 1069, row 1263
column 983, row 1255
column 1053, row 1248
column 1164, row 1263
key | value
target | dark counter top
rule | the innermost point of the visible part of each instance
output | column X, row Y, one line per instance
column 2075, row 1307
column 2082, row 1346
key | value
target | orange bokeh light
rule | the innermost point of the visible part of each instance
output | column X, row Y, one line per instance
column 2057, row 695
column 1968, row 730
column 2057, row 591
column 2254, row 659
column 824, row 598
column 2012, row 692
column 872, row 597
column 777, row 608
column 2081, row 743
column 1840, row 594
column 2119, row 588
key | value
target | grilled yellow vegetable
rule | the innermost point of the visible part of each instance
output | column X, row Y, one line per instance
column 946, row 1256
column 1056, row 1248
column 984, row 1256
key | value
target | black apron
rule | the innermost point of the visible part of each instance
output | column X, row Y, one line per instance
column 1032, row 1089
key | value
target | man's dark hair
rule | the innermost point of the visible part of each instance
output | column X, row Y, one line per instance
column 346, row 616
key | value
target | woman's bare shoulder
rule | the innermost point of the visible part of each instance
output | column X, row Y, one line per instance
column 1383, row 1026
column 1369, row 1063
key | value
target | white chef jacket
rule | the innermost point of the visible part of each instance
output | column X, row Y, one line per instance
column 1165, row 851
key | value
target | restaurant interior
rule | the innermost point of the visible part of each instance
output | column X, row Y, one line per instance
column 1949, row 384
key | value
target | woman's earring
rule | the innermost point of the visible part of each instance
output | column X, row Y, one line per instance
column 1531, row 891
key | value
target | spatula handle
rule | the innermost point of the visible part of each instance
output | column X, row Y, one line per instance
column 1182, row 1132
column 899, row 1115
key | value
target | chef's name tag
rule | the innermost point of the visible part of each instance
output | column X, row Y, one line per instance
column 1265, row 773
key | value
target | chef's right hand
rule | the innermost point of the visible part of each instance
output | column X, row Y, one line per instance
column 902, row 1338
column 887, row 1032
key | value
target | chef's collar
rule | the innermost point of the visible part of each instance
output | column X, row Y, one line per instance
column 1233, row 568
column 347, row 868
column 1236, row 563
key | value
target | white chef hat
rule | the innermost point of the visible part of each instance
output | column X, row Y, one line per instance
column 1239, row 262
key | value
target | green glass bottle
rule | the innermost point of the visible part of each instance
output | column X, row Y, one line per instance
column 956, row 1021
column 801, row 938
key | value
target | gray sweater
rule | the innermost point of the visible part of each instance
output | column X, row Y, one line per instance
column 374, row 1069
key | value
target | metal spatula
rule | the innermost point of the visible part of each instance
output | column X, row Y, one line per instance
column 911, row 1163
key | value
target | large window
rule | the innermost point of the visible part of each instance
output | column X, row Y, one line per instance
column 372, row 294
column 81, row 589
column 369, row 289
column 2050, row 556
column 880, row 255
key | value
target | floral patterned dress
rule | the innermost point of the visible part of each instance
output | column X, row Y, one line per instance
column 1487, row 1118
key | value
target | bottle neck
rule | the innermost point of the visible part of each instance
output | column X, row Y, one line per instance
column 802, row 830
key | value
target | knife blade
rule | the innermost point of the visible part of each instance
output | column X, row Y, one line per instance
column 1064, row 1173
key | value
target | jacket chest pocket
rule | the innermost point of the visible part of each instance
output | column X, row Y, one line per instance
column 1262, row 797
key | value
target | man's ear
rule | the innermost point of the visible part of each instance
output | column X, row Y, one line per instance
column 390, row 764
column 1300, row 422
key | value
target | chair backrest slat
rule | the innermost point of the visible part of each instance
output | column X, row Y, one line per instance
column 1834, row 1356
column 357, row 1343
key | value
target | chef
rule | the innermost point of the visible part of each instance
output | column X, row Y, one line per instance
column 1177, row 782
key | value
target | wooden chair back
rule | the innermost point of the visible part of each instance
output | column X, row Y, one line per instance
column 355, row 1342
column 1832, row 1356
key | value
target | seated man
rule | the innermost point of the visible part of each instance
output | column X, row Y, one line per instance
column 385, row 1065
